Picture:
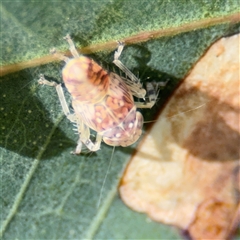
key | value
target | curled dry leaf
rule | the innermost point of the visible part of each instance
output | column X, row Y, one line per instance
column 186, row 170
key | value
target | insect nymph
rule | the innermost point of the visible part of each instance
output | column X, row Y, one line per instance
column 102, row 101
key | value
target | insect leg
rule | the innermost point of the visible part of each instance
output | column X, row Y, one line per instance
column 84, row 132
column 136, row 88
column 153, row 89
column 84, row 138
column 133, row 82
column 60, row 56
column 119, row 64
column 61, row 97
column 72, row 47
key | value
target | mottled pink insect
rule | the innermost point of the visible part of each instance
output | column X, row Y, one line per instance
column 102, row 101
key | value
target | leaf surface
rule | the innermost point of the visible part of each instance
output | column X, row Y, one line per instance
column 47, row 193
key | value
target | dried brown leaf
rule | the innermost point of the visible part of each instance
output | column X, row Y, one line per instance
column 185, row 172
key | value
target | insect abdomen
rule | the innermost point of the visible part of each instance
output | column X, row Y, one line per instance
column 126, row 133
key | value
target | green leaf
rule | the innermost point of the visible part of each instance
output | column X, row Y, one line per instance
column 47, row 193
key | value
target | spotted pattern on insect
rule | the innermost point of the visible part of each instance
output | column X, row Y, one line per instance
column 101, row 101
column 106, row 112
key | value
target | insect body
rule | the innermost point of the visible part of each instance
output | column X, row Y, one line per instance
column 101, row 101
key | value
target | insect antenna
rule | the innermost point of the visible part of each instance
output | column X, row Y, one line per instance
column 177, row 114
column 105, row 178
column 25, row 85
